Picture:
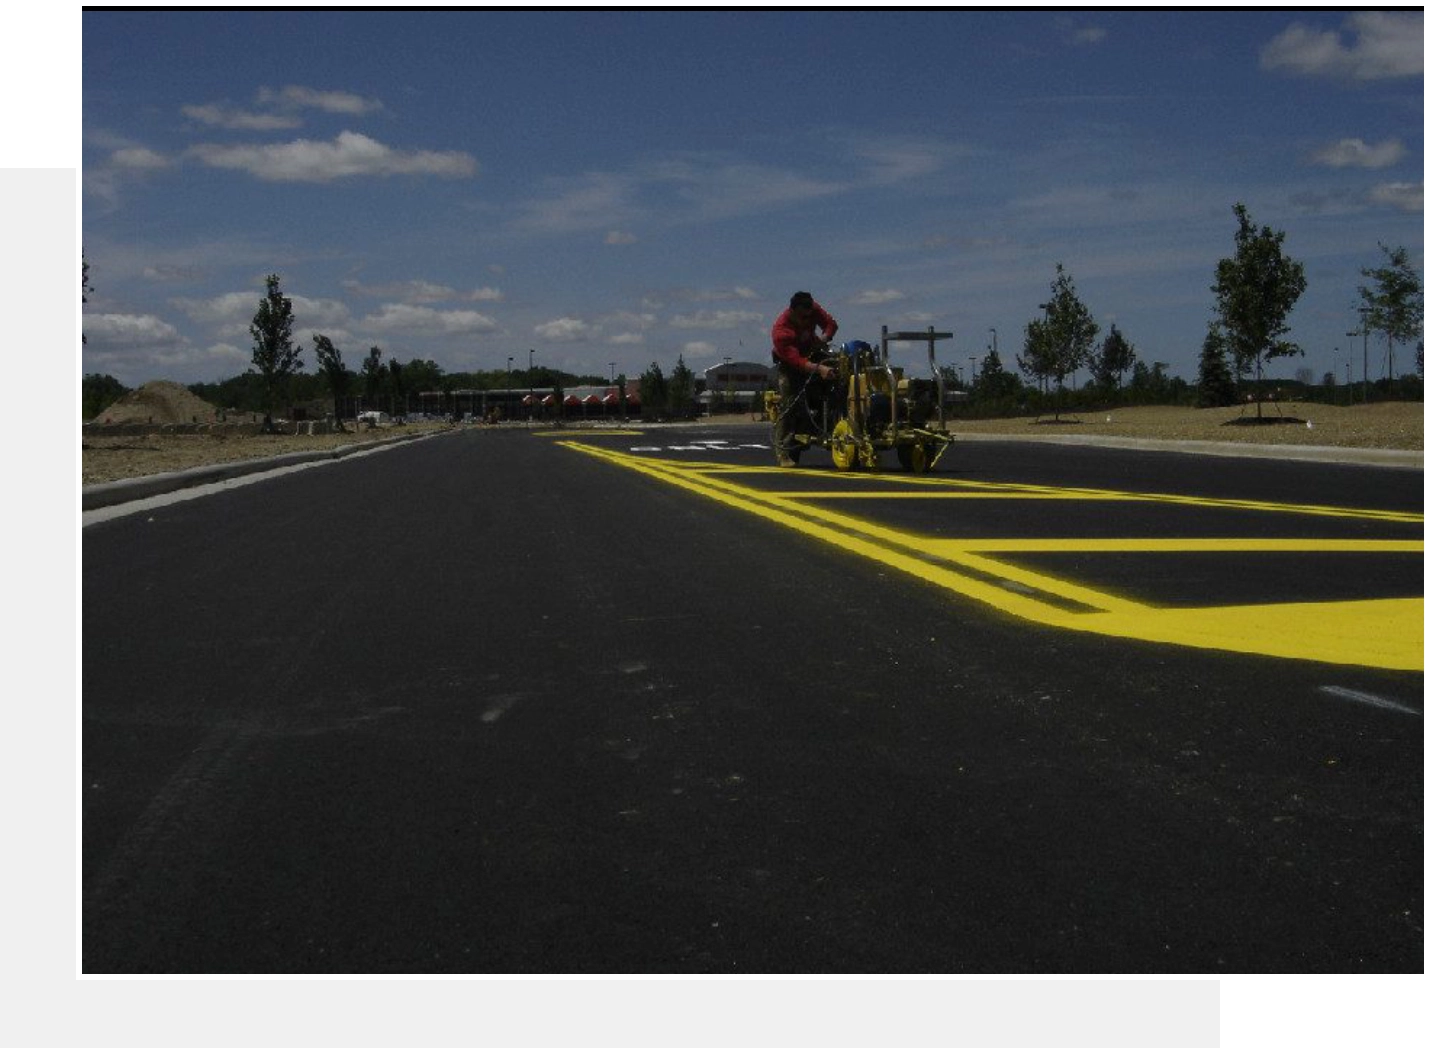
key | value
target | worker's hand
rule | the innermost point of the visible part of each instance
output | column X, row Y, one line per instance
column 824, row 371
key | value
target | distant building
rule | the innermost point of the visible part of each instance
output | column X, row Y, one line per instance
column 736, row 386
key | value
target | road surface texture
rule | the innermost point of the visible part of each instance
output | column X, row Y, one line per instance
column 637, row 702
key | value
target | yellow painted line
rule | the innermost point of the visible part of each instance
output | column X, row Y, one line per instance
column 1387, row 634
column 951, row 547
column 1032, row 492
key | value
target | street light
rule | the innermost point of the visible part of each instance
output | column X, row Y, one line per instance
column 530, row 383
column 1364, row 332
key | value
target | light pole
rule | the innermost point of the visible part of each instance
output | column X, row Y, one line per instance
column 727, row 383
column 1364, row 332
column 530, row 383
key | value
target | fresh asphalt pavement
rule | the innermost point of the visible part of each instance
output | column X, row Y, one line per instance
column 634, row 703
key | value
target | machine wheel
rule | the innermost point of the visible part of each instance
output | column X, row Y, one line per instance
column 915, row 457
column 843, row 448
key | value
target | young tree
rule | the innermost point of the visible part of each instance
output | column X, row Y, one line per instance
column 681, row 389
column 1395, row 305
column 653, row 391
column 275, row 358
column 1215, row 388
column 1036, row 359
column 330, row 366
column 1064, row 343
column 1113, row 358
column 1255, row 291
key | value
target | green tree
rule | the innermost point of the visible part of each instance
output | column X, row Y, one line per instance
column 1036, row 359
column 680, row 390
column 993, row 381
column 1112, row 359
column 425, row 376
column 372, row 374
column 1215, row 388
column 97, row 392
column 398, row 396
column 1256, row 289
column 1395, row 304
column 653, row 391
column 275, row 358
column 330, row 366
column 1062, row 341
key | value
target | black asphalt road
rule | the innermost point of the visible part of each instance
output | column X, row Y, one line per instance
column 481, row 703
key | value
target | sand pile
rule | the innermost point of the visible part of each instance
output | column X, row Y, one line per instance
column 162, row 402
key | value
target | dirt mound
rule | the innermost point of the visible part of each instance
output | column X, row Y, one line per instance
column 159, row 402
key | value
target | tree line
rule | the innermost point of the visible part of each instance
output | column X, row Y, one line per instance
column 1255, row 290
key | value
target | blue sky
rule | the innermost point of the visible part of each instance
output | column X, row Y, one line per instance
column 627, row 187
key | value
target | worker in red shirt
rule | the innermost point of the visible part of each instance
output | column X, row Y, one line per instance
column 800, row 336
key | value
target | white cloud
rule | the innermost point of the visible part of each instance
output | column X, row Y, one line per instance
column 1352, row 152
column 1089, row 35
column 177, row 362
column 615, row 236
column 232, row 313
column 400, row 318
column 711, row 188
column 240, row 120
column 1406, row 196
column 566, row 329
column 1386, row 45
column 350, row 154
column 127, row 329
column 221, row 309
column 721, row 319
column 139, row 159
column 422, row 292
column 582, row 204
column 876, row 298
column 295, row 97
column 698, row 350
column 625, row 318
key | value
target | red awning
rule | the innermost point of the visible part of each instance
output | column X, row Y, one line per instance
column 592, row 399
column 528, row 400
column 549, row 399
column 573, row 401
column 611, row 398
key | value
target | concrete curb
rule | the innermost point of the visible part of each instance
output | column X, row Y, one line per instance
column 97, row 496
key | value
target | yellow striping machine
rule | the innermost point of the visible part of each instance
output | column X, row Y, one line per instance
column 871, row 406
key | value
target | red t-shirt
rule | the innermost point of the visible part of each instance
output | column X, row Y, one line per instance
column 791, row 343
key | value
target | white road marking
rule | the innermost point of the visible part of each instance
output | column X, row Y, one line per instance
column 1368, row 699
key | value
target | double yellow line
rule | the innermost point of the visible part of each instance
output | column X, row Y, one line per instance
column 1381, row 633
